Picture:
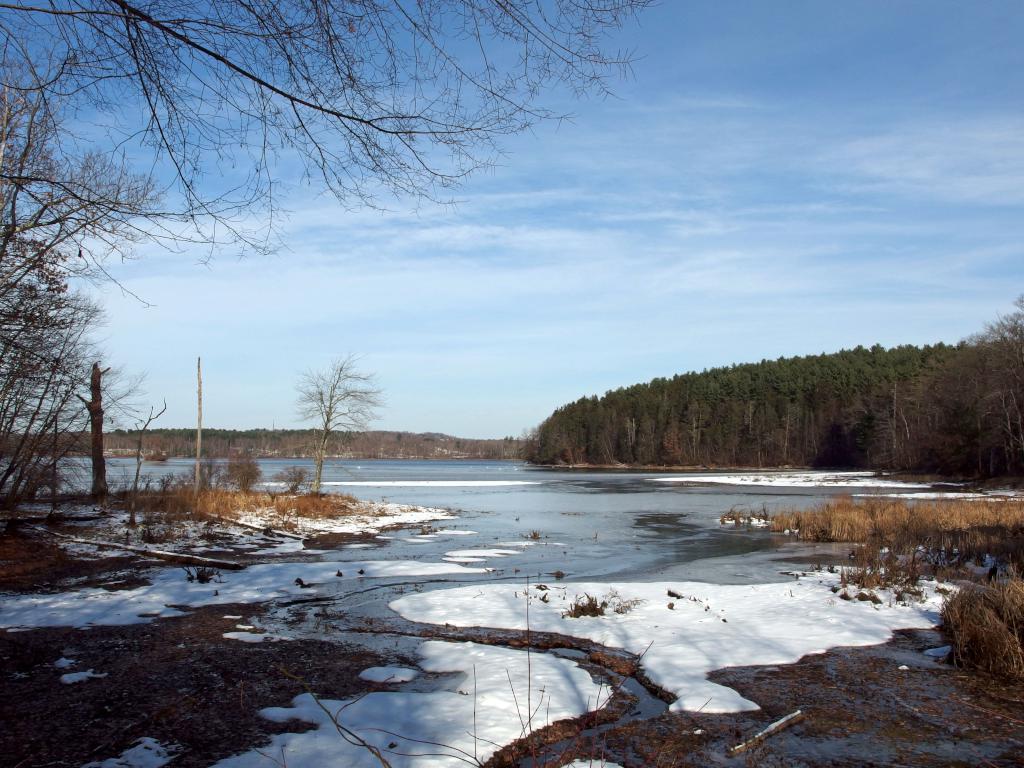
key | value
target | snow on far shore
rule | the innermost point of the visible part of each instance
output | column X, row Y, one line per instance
column 1000, row 495
column 430, row 483
column 707, row 627
column 490, row 707
column 170, row 592
column 784, row 479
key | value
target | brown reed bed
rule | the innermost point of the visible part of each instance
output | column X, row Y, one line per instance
column 951, row 532
column 180, row 502
column 903, row 541
column 985, row 625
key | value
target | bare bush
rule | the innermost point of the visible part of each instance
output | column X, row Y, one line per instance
column 243, row 472
column 295, row 479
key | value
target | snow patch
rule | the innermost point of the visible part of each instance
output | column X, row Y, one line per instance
column 388, row 674
column 147, row 753
column 77, row 677
column 490, row 707
column 255, row 637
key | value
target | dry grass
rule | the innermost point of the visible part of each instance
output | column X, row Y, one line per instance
column 179, row 502
column 588, row 605
column 985, row 624
column 986, row 627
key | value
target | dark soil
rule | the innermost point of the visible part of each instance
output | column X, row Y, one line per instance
column 861, row 710
column 177, row 680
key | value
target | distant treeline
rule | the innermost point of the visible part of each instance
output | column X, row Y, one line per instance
column 956, row 410
column 296, row 443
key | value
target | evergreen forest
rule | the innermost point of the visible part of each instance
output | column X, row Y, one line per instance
column 954, row 410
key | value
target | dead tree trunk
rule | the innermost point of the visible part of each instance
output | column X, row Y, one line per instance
column 94, row 405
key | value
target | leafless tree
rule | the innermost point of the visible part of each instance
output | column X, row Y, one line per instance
column 336, row 398
column 141, row 426
column 365, row 96
column 53, row 206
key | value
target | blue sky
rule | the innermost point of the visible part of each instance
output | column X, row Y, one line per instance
column 772, row 180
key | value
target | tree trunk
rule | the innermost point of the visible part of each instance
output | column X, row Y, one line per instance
column 95, row 406
column 321, row 451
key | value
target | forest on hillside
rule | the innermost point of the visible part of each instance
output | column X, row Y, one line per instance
column 298, row 443
column 956, row 410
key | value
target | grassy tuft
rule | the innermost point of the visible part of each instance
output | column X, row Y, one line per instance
column 986, row 627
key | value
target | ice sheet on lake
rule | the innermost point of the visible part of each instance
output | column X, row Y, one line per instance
column 431, row 483
column 170, row 592
column 790, row 480
column 478, row 553
column 447, row 729
column 710, row 627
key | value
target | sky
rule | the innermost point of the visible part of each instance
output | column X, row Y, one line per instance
column 770, row 180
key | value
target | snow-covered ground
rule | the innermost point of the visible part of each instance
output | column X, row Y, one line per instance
column 694, row 630
column 787, row 479
column 498, row 696
column 374, row 517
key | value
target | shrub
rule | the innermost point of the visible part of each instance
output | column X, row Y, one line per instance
column 243, row 472
column 585, row 605
column 295, row 479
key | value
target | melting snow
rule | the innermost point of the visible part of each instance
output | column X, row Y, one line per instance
column 491, row 706
column 147, row 753
column 78, row 677
column 708, row 627
column 389, row 674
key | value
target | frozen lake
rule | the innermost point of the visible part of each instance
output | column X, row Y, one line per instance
column 603, row 525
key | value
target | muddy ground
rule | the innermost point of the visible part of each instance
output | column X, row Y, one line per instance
column 181, row 682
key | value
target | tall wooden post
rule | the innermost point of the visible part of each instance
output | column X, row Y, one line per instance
column 199, row 423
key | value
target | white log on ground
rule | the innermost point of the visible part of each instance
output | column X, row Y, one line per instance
column 779, row 725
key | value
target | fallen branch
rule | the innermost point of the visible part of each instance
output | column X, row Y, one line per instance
column 261, row 528
column 173, row 557
column 771, row 730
